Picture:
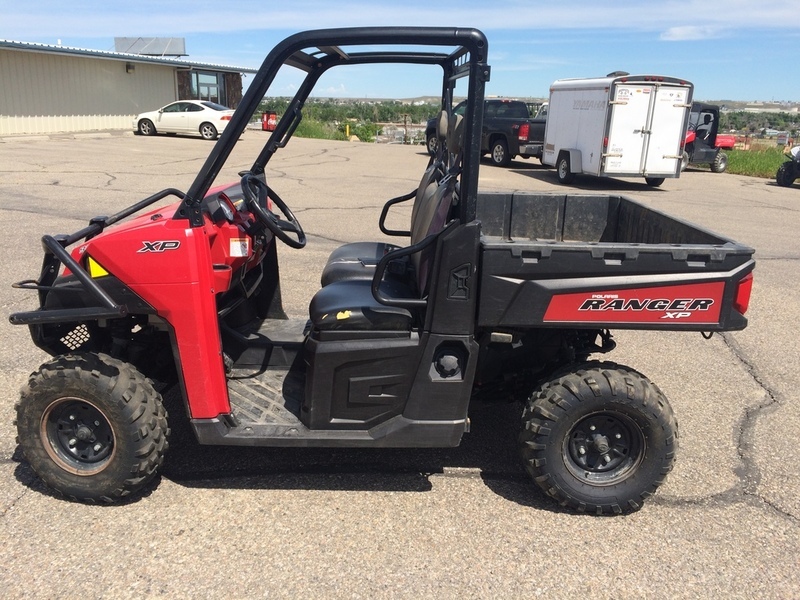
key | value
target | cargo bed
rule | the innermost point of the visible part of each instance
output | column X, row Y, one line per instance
column 605, row 261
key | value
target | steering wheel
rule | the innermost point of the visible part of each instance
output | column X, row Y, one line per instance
column 255, row 194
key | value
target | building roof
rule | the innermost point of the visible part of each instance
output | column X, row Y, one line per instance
column 121, row 56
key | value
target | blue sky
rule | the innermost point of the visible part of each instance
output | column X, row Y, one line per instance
column 730, row 49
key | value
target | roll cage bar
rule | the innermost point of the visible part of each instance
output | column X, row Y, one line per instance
column 314, row 52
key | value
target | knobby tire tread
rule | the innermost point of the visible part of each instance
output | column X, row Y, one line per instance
column 144, row 420
column 564, row 394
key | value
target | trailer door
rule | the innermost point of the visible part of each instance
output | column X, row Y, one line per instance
column 627, row 134
column 667, row 130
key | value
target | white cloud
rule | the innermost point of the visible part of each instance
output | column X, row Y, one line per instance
column 692, row 32
column 338, row 90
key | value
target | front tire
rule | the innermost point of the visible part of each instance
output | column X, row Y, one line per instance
column 499, row 153
column 92, row 427
column 208, row 131
column 684, row 161
column 146, row 127
column 600, row 439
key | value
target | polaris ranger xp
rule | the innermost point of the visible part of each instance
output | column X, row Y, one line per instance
column 485, row 293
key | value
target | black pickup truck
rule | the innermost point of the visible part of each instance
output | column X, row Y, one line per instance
column 508, row 131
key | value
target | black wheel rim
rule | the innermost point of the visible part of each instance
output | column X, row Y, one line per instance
column 604, row 448
column 77, row 436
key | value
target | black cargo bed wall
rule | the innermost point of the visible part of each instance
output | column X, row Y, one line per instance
column 581, row 218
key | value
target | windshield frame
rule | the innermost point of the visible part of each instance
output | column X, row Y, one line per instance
column 314, row 52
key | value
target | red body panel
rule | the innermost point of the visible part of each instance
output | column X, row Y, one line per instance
column 725, row 141
column 179, row 271
column 691, row 303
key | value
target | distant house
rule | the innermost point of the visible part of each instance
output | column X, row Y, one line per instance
column 51, row 89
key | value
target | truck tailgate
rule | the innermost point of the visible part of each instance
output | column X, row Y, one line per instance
column 605, row 261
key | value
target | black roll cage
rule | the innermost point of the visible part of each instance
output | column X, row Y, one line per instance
column 468, row 59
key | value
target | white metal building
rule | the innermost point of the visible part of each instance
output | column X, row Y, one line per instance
column 51, row 89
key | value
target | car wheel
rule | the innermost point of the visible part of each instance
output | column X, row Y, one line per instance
column 599, row 439
column 654, row 181
column 208, row 131
column 432, row 142
column 146, row 127
column 563, row 170
column 499, row 153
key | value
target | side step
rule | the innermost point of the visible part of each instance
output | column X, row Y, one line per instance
column 266, row 412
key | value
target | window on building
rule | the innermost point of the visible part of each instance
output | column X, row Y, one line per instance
column 208, row 86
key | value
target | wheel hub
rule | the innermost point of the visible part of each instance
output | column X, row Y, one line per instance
column 600, row 443
column 84, row 433
column 603, row 448
column 77, row 436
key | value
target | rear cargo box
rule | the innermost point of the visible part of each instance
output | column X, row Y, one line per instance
column 605, row 261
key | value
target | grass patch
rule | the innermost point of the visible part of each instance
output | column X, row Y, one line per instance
column 311, row 128
column 763, row 162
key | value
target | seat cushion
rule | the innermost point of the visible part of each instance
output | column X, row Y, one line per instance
column 351, row 305
column 354, row 261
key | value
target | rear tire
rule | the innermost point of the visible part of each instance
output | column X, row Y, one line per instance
column 600, row 439
column 432, row 144
column 499, row 153
column 208, row 131
column 654, row 181
column 92, row 427
column 720, row 163
column 563, row 170
column 786, row 174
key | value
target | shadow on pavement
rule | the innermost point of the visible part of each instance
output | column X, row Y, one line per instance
column 490, row 449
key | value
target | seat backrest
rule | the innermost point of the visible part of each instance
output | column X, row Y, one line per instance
column 430, row 179
column 431, row 221
column 437, row 201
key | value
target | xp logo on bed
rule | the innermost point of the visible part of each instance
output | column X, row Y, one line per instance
column 691, row 303
column 160, row 246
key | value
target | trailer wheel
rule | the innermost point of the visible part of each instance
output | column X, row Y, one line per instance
column 563, row 170
column 786, row 174
column 499, row 153
column 600, row 439
column 93, row 428
column 654, row 181
column 720, row 163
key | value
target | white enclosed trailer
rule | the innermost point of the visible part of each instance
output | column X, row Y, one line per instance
column 617, row 126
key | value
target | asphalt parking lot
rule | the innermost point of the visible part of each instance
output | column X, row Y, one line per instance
column 454, row 523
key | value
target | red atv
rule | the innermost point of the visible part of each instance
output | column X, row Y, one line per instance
column 704, row 144
column 492, row 296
